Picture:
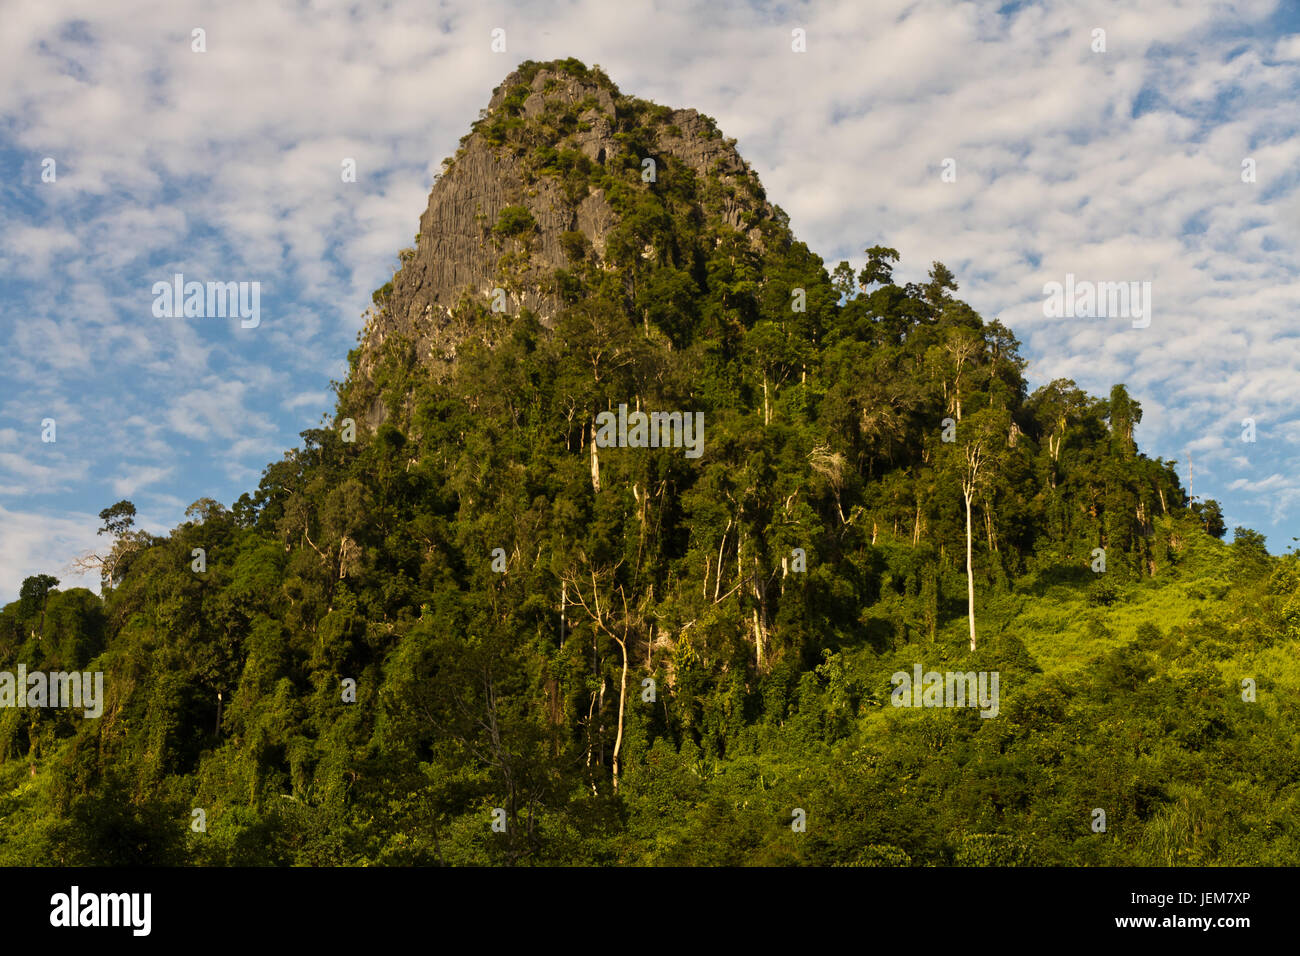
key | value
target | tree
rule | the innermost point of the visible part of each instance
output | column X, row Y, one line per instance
column 959, row 349
column 775, row 358
column 205, row 510
column 942, row 281
column 515, row 221
column 117, row 519
column 974, row 463
column 879, row 267
column 617, row 629
column 981, row 458
column 1210, row 515
column 1123, row 414
column 33, row 595
column 1249, row 541
column 842, row 281
column 1055, row 407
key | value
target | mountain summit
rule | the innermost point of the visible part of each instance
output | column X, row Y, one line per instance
column 561, row 175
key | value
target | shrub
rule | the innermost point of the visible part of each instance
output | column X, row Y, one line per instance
column 1102, row 593
column 1149, row 633
column 574, row 244
column 514, row 221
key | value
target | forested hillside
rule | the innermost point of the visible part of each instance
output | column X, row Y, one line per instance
column 454, row 627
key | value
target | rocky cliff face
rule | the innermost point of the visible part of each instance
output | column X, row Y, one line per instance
column 542, row 183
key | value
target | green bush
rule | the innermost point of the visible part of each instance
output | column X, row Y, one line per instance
column 574, row 244
column 514, row 221
column 1102, row 593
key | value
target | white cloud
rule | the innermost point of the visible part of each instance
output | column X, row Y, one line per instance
column 44, row 544
column 307, row 399
column 139, row 477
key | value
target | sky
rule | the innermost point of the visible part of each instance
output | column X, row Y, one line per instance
column 1013, row 142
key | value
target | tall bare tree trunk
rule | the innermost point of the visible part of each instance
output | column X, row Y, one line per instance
column 970, row 575
column 600, row 718
column 717, row 584
column 974, row 461
column 622, row 697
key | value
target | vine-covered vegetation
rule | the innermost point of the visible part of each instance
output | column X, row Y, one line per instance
column 473, row 635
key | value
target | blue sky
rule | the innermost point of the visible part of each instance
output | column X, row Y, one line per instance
column 1123, row 165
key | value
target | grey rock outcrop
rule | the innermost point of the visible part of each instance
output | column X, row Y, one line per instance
column 459, row 259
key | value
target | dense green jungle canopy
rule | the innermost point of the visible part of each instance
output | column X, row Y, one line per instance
column 467, row 636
